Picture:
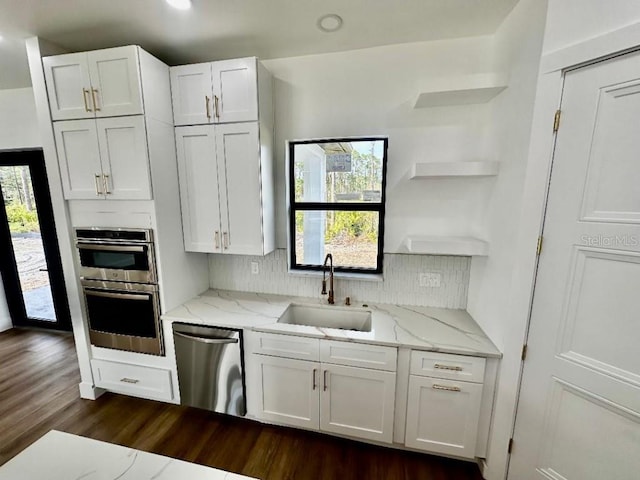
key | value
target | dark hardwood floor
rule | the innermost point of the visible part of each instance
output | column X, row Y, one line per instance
column 39, row 391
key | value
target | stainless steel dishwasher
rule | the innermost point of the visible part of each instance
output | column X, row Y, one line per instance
column 210, row 370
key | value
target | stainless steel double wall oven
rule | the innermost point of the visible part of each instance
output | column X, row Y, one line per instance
column 120, row 286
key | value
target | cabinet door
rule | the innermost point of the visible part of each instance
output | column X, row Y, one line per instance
column 68, row 86
column 357, row 402
column 442, row 416
column 79, row 159
column 238, row 153
column 115, row 81
column 123, row 153
column 235, row 89
column 191, row 93
column 199, row 199
column 288, row 391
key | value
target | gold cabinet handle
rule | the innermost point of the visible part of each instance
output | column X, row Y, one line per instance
column 448, row 389
column 85, row 92
column 97, row 180
column 315, row 370
column 225, row 240
column 447, row 367
column 105, row 182
column 94, row 94
column 207, row 100
column 325, row 386
column 216, row 102
column 216, row 239
column 129, row 380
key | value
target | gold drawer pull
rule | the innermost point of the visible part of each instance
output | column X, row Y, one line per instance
column 447, row 367
column 129, row 380
column 448, row 389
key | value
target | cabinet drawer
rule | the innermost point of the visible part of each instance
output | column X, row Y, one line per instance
column 146, row 382
column 358, row 355
column 302, row 348
column 444, row 365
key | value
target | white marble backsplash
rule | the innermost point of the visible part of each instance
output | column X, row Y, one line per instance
column 400, row 284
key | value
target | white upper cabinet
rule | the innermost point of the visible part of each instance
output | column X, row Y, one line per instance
column 238, row 154
column 103, row 159
column 217, row 92
column 79, row 159
column 101, row 83
column 221, row 185
column 235, row 90
column 199, row 195
column 192, row 94
column 124, row 159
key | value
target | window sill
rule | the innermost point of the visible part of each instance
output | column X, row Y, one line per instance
column 363, row 277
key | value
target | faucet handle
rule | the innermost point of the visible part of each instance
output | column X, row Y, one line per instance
column 324, row 287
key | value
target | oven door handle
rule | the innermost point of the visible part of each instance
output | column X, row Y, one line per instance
column 113, row 248
column 205, row 339
column 122, row 296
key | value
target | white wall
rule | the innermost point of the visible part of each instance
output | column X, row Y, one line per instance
column 518, row 44
column 371, row 92
column 572, row 21
column 18, row 122
column 18, row 129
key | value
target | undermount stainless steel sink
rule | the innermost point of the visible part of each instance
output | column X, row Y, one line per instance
column 347, row 318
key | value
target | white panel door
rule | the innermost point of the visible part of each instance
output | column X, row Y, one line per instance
column 115, row 81
column 357, row 402
column 238, row 153
column 579, row 409
column 68, row 86
column 288, row 391
column 124, row 157
column 191, row 94
column 79, row 159
column 235, row 90
column 443, row 415
column 199, row 198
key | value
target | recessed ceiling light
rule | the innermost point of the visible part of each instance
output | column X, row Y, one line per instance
column 330, row 23
column 180, row 4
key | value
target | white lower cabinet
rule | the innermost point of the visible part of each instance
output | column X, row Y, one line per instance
column 352, row 401
column 442, row 416
column 443, row 413
column 288, row 391
column 137, row 380
column 357, row 402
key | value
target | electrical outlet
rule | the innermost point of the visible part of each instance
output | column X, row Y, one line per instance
column 430, row 279
column 255, row 268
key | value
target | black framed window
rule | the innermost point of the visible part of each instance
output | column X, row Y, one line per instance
column 337, row 203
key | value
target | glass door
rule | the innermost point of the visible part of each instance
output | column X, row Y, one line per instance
column 30, row 260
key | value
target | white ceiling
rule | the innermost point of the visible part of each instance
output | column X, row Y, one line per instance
column 219, row 29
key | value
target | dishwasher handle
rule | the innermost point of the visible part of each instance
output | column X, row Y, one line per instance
column 198, row 338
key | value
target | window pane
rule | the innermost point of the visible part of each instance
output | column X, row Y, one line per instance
column 351, row 237
column 339, row 171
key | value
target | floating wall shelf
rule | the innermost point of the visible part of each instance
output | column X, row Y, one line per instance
column 468, row 90
column 453, row 169
column 435, row 245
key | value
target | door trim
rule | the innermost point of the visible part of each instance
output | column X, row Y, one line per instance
column 34, row 158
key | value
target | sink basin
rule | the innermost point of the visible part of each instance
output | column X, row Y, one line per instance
column 344, row 318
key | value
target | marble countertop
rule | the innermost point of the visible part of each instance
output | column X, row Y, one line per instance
column 424, row 328
column 62, row 456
